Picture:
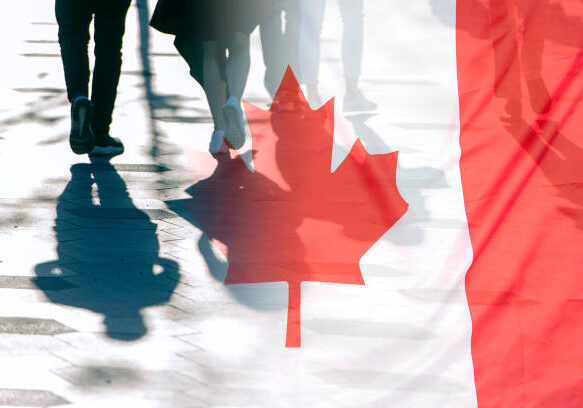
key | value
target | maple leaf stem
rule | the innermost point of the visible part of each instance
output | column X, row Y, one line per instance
column 293, row 336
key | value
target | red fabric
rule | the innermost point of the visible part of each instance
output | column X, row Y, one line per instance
column 292, row 220
column 520, row 87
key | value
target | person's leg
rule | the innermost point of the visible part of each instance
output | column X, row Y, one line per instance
column 213, row 83
column 272, row 44
column 352, row 41
column 110, row 16
column 237, row 71
column 312, row 17
column 291, row 34
column 74, row 17
column 279, row 40
column 215, row 89
column 238, row 63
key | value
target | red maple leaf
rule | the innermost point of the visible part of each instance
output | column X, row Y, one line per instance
column 293, row 220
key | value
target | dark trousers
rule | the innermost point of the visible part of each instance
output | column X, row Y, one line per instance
column 74, row 18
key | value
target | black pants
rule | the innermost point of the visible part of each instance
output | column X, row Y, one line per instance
column 74, row 18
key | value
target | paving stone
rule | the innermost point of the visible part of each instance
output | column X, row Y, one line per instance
column 162, row 352
column 24, row 282
column 123, row 377
column 122, row 213
column 31, row 326
column 25, row 346
column 30, row 398
column 12, row 301
column 138, row 168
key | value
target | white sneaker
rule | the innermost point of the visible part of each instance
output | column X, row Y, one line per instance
column 217, row 144
column 235, row 123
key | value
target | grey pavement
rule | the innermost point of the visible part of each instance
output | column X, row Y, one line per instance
column 106, row 296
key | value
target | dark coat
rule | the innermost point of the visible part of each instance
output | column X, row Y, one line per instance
column 169, row 15
column 175, row 17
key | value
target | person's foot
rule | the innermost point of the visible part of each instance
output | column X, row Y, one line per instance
column 217, row 145
column 107, row 147
column 357, row 102
column 81, row 138
column 234, row 122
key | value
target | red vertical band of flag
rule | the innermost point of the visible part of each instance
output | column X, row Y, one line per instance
column 293, row 336
column 520, row 86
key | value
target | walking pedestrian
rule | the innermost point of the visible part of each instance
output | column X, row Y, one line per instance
column 279, row 29
column 91, row 117
column 213, row 37
column 312, row 18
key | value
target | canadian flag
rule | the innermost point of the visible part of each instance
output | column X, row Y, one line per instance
column 519, row 81
column 471, row 294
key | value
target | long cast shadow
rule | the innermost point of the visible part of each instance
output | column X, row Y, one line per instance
column 292, row 220
column 112, row 251
column 419, row 179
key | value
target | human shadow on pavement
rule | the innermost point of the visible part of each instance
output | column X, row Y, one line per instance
column 519, row 34
column 293, row 220
column 419, row 180
column 230, row 205
column 108, row 253
column 557, row 155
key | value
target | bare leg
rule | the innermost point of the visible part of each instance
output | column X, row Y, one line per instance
column 352, row 42
column 310, row 30
column 237, row 71
column 311, row 20
column 214, row 85
column 238, row 65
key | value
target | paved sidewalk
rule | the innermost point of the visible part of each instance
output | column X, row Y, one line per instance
column 105, row 295
column 90, row 255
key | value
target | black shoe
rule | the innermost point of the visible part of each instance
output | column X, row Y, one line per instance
column 81, row 138
column 107, row 147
